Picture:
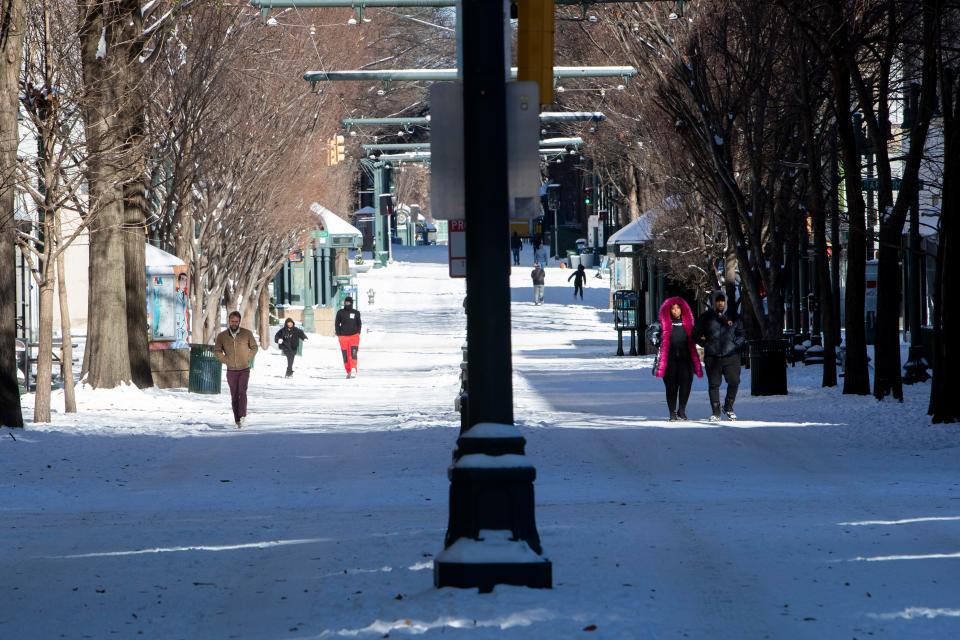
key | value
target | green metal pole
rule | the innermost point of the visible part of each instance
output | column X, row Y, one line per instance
column 308, row 279
column 379, row 231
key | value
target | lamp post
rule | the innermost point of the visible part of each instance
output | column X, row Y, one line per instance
column 309, row 277
column 378, row 170
column 491, row 535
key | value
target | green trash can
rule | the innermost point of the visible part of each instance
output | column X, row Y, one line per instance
column 205, row 370
column 768, row 367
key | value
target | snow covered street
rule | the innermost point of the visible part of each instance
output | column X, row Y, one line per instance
column 148, row 514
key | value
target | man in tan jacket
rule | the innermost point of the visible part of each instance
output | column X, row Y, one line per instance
column 236, row 348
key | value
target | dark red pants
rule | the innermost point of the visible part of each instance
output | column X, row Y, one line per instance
column 349, row 345
column 238, row 392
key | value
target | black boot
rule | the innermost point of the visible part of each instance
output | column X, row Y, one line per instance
column 682, row 413
column 673, row 416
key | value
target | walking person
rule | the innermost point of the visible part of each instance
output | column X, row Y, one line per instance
column 579, row 277
column 289, row 337
column 236, row 348
column 540, row 254
column 516, row 244
column 678, row 359
column 347, row 327
column 538, row 275
column 722, row 336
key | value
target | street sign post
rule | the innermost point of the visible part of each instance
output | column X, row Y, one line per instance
column 457, row 245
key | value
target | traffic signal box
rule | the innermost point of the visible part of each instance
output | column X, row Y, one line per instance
column 336, row 150
column 535, row 45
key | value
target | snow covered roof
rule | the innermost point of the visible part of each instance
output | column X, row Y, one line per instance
column 159, row 260
column 637, row 232
column 641, row 229
column 334, row 224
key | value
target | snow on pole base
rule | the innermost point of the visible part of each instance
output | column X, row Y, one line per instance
column 493, row 558
column 492, row 532
column 491, row 439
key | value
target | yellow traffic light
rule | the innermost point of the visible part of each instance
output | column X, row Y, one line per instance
column 331, row 152
column 535, row 45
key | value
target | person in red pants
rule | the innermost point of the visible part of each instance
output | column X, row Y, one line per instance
column 347, row 326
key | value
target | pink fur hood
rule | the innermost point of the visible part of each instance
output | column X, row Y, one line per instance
column 666, row 328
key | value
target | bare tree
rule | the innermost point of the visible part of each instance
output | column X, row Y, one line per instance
column 12, row 29
column 943, row 406
column 51, row 179
column 117, row 38
column 236, row 136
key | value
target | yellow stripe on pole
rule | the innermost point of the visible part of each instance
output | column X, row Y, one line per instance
column 535, row 45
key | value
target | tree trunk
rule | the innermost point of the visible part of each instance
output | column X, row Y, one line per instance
column 135, row 222
column 633, row 194
column 264, row 328
column 41, row 408
column 837, row 249
column 248, row 307
column 943, row 405
column 66, row 351
column 856, row 377
column 12, row 26
column 818, row 212
column 106, row 356
column 211, row 314
column 135, row 280
column 886, row 350
column 825, row 300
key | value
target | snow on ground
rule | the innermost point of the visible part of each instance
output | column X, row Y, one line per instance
column 149, row 515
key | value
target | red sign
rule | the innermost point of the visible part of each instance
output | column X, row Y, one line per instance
column 457, row 246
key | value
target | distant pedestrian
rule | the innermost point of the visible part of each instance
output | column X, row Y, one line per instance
column 289, row 337
column 579, row 277
column 723, row 339
column 347, row 327
column 236, row 348
column 539, row 277
column 540, row 255
column 678, row 359
column 516, row 244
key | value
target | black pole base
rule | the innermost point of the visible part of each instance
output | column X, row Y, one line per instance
column 484, row 577
column 814, row 353
column 915, row 369
column 492, row 531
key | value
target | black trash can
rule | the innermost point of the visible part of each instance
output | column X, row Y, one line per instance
column 205, row 370
column 768, row 367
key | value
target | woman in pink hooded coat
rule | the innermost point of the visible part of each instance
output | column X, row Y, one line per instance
column 678, row 359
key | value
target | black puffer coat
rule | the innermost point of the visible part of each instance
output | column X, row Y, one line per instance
column 720, row 335
column 289, row 339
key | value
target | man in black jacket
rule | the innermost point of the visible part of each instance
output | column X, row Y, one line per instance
column 721, row 334
column 289, row 337
column 347, row 327
column 516, row 244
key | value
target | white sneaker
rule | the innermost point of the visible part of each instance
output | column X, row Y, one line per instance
column 353, row 373
column 239, row 424
column 243, row 421
column 714, row 418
